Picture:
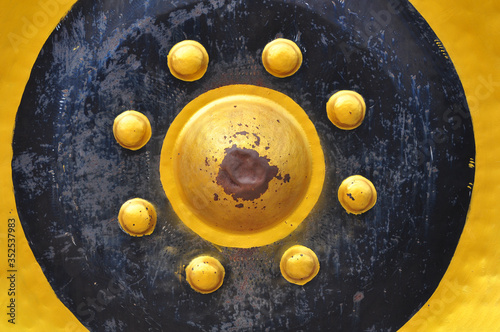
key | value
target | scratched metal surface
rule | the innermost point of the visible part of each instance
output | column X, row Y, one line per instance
column 377, row 269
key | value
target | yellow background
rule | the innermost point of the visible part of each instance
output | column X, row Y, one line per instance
column 468, row 297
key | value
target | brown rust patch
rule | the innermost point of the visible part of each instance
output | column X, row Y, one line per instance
column 245, row 174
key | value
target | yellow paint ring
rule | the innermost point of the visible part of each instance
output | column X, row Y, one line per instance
column 467, row 297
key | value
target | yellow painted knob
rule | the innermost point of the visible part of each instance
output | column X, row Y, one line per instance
column 346, row 109
column 205, row 274
column 188, row 60
column 357, row 194
column 137, row 217
column 132, row 130
column 299, row 265
column 282, row 57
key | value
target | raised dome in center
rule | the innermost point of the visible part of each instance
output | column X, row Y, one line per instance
column 242, row 165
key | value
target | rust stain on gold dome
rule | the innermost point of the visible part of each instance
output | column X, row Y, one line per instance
column 242, row 165
column 245, row 174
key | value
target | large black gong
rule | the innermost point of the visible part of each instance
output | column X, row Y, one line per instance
column 377, row 269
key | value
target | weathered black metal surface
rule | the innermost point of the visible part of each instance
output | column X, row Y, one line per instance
column 377, row 269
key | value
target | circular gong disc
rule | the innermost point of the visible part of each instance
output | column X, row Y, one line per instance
column 377, row 269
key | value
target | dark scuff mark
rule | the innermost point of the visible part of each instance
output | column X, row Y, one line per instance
column 358, row 297
column 244, row 133
column 286, row 179
column 257, row 141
